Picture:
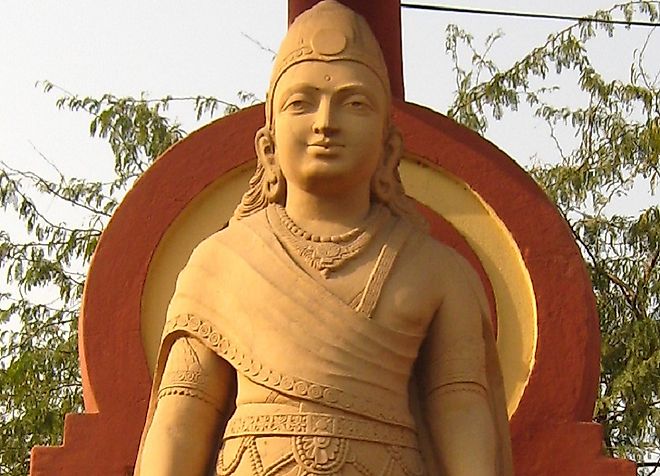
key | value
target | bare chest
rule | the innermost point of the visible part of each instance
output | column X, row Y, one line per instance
column 407, row 303
column 405, row 300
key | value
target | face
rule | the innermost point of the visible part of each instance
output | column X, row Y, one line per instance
column 330, row 123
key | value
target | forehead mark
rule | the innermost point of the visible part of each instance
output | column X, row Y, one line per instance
column 327, row 77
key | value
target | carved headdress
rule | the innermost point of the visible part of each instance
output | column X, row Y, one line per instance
column 327, row 32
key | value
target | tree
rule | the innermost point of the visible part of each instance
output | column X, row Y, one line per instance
column 39, row 374
column 605, row 149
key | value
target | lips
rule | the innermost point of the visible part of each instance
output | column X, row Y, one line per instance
column 326, row 145
column 325, row 149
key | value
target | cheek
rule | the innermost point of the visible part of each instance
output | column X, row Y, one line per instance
column 371, row 136
column 290, row 130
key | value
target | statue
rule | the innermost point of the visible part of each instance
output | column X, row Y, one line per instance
column 323, row 331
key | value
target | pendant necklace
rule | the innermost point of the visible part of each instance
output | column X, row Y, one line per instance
column 326, row 253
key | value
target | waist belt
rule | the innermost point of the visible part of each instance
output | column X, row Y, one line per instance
column 318, row 424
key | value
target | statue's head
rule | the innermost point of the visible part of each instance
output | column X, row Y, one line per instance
column 329, row 75
column 327, row 32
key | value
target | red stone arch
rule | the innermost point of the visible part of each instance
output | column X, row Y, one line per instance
column 550, row 429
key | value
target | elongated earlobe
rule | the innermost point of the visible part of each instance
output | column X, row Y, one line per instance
column 272, row 184
column 385, row 182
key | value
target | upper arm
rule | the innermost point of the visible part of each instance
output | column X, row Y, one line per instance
column 454, row 350
column 194, row 370
column 453, row 369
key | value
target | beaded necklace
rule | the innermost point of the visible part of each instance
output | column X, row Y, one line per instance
column 327, row 253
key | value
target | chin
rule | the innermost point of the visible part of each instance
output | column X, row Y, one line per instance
column 333, row 181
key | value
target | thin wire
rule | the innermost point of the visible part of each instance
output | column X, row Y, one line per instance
column 545, row 16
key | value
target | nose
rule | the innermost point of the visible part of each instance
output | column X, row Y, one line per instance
column 324, row 120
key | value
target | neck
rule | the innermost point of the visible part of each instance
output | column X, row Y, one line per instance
column 328, row 215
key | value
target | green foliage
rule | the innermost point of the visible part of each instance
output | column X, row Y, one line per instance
column 44, row 267
column 607, row 148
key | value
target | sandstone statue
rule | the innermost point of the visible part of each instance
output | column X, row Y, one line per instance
column 324, row 332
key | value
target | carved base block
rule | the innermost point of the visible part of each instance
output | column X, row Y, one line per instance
column 93, row 446
column 571, row 449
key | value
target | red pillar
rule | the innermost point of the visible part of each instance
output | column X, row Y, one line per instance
column 384, row 17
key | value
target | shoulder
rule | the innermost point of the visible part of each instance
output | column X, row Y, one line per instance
column 432, row 257
column 445, row 270
column 235, row 233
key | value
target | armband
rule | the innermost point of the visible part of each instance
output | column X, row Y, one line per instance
column 187, row 392
column 458, row 387
column 184, row 375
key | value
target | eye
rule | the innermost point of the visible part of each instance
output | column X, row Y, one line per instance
column 357, row 103
column 297, row 104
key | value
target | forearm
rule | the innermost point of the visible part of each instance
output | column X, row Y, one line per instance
column 462, row 430
column 182, row 438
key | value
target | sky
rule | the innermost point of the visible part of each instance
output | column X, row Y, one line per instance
column 209, row 47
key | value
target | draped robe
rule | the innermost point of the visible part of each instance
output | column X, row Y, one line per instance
column 246, row 300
